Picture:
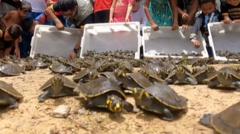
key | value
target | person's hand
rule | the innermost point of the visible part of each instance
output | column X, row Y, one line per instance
column 72, row 55
column 111, row 20
column 185, row 17
column 196, row 43
column 59, row 26
column 236, row 21
column 127, row 19
column 17, row 52
column 155, row 27
column 227, row 21
column 185, row 27
column 175, row 26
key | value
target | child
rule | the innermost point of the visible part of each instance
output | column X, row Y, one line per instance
column 209, row 14
column 121, row 11
column 138, row 13
column 231, row 11
column 17, row 16
column 161, row 13
column 8, row 5
column 186, row 11
column 8, row 37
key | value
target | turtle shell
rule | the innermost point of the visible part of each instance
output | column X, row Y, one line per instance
column 227, row 121
column 225, row 76
column 227, row 71
column 11, row 69
column 167, row 96
column 140, row 79
column 66, row 82
column 111, row 75
column 60, row 68
column 99, row 87
column 203, row 73
column 39, row 63
column 88, row 73
column 10, row 90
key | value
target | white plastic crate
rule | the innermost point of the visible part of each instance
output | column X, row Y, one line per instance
column 165, row 42
column 224, row 37
column 50, row 41
column 111, row 37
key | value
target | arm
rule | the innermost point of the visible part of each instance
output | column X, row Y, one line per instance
column 149, row 17
column 226, row 18
column 129, row 11
column 236, row 21
column 112, row 10
column 194, row 8
column 195, row 30
column 175, row 14
column 17, row 49
column 224, row 9
column 77, row 47
column 49, row 11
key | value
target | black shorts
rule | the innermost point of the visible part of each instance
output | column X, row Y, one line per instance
column 102, row 16
column 88, row 20
column 5, row 45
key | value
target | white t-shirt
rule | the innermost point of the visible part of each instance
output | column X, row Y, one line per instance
column 38, row 6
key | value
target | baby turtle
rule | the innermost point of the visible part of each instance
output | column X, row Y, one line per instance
column 40, row 63
column 85, row 75
column 225, row 122
column 111, row 76
column 160, row 99
column 57, row 86
column 181, row 75
column 202, row 73
column 140, row 79
column 9, row 96
column 104, row 93
column 151, row 74
column 124, row 67
column 11, row 69
column 226, row 77
column 60, row 68
column 134, row 80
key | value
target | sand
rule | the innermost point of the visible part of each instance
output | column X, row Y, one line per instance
column 35, row 118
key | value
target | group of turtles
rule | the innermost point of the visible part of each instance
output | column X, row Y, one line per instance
column 105, row 80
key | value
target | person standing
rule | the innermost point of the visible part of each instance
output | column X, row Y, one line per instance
column 38, row 7
column 102, row 10
column 121, row 11
column 161, row 13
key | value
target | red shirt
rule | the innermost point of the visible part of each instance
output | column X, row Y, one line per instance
column 101, row 5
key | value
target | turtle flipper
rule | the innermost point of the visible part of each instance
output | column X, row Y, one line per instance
column 9, row 102
column 127, row 106
column 191, row 81
column 213, row 84
column 167, row 115
column 206, row 120
column 45, row 95
column 236, row 85
column 13, row 103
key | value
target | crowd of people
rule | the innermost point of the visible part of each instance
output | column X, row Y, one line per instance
column 19, row 17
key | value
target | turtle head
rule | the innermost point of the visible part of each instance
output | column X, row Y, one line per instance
column 114, row 103
column 57, row 85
